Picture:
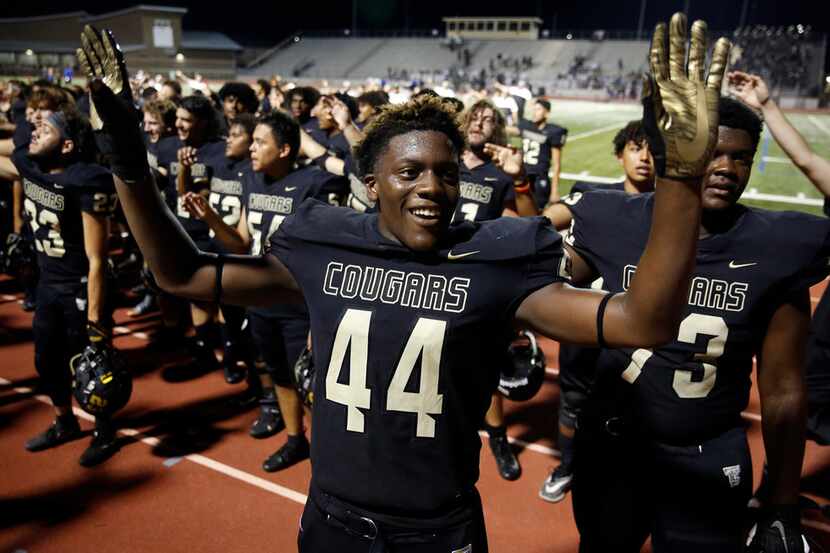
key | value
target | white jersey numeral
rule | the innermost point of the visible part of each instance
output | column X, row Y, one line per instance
column 353, row 331
column 695, row 382
column 53, row 244
column 425, row 343
column 255, row 228
column 470, row 210
column 531, row 148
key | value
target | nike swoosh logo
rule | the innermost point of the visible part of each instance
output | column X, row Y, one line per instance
column 780, row 527
column 290, row 188
column 733, row 265
column 451, row 256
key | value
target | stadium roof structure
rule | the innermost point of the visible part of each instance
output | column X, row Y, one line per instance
column 152, row 37
column 208, row 40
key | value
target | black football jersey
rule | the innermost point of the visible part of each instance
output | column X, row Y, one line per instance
column 696, row 387
column 577, row 363
column 536, row 145
column 821, row 317
column 267, row 204
column 407, row 347
column 312, row 127
column 226, row 185
column 167, row 155
column 53, row 204
column 482, row 193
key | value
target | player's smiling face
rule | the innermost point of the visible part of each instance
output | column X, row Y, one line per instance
column 152, row 126
column 415, row 183
column 728, row 171
column 190, row 129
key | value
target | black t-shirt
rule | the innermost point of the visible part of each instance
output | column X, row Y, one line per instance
column 53, row 204
column 267, row 203
column 167, row 155
column 482, row 193
column 696, row 387
column 407, row 347
column 536, row 144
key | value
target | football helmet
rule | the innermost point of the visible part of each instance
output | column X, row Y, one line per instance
column 304, row 377
column 101, row 383
column 521, row 379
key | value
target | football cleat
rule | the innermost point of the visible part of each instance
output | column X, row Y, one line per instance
column 62, row 430
column 268, row 423
column 103, row 446
column 291, row 453
column 508, row 465
column 556, row 485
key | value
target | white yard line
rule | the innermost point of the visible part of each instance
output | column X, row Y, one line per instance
column 600, row 130
column 206, row 462
column 820, row 124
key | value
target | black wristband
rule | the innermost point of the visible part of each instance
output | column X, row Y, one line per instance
column 217, row 287
column 600, row 316
column 320, row 161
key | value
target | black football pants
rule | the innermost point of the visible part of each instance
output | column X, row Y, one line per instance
column 329, row 525
column 690, row 498
column 60, row 332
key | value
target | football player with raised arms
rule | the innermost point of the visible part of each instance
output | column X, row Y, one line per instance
column 68, row 201
column 271, row 191
column 672, row 415
column 753, row 91
column 542, row 144
column 409, row 313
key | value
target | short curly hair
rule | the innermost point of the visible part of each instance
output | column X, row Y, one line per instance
column 632, row 132
column 424, row 113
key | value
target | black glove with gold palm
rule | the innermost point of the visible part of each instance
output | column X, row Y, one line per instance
column 680, row 104
column 113, row 114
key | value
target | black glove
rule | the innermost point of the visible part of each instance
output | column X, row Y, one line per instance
column 778, row 530
column 100, row 337
column 113, row 115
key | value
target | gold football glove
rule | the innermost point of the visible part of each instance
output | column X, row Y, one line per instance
column 113, row 114
column 680, row 104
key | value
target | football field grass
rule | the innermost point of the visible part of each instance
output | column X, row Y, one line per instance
column 775, row 182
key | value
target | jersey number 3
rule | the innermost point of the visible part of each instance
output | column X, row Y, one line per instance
column 696, row 382
column 425, row 342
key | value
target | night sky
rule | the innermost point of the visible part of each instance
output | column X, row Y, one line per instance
column 251, row 24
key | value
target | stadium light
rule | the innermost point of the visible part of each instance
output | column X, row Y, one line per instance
column 30, row 52
column 569, row 36
column 180, row 57
column 347, row 32
column 435, row 32
column 545, row 33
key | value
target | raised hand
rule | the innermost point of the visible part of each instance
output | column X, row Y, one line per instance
column 113, row 115
column 506, row 158
column 750, row 89
column 341, row 114
column 680, row 103
column 186, row 155
column 198, row 207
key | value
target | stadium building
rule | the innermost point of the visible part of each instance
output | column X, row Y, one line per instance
column 151, row 36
